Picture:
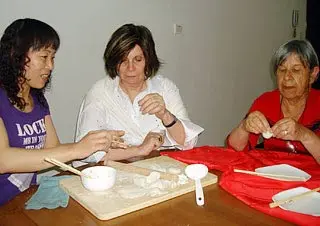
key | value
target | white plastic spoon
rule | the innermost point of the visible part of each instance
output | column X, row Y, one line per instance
column 196, row 172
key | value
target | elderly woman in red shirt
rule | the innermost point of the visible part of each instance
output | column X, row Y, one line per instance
column 287, row 118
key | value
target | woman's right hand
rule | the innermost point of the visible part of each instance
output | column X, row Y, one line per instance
column 97, row 140
column 256, row 123
column 151, row 142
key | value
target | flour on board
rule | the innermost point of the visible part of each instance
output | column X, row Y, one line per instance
column 150, row 185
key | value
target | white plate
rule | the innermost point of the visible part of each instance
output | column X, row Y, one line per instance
column 284, row 169
column 309, row 204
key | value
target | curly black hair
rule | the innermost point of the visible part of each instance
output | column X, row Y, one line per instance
column 18, row 38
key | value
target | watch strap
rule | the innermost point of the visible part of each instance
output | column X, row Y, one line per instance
column 172, row 123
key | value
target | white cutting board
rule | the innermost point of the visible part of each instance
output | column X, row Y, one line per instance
column 109, row 204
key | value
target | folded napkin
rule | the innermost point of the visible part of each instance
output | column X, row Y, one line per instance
column 49, row 194
column 253, row 190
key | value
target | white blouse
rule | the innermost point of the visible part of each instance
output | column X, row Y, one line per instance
column 106, row 106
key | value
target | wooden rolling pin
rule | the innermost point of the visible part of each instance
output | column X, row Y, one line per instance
column 142, row 171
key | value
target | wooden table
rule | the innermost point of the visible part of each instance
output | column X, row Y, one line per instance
column 220, row 208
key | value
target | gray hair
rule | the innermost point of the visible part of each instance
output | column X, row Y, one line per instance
column 302, row 48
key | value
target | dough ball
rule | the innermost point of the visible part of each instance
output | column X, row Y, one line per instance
column 153, row 177
column 267, row 134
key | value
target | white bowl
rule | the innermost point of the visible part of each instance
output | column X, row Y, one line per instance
column 98, row 178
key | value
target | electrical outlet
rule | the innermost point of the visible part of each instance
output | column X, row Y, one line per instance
column 177, row 29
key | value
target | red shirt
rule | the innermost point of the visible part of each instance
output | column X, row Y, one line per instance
column 269, row 105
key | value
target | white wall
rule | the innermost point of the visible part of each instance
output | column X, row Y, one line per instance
column 220, row 62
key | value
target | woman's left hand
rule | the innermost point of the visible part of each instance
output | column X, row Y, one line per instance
column 287, row 129
column 153, row 104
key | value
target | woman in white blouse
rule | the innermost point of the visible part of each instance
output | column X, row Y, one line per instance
column 135, row 99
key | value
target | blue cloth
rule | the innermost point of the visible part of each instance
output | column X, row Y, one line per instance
column 49, row 194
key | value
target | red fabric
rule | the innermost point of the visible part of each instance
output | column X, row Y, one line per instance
column 255, row 191
column 269, row 105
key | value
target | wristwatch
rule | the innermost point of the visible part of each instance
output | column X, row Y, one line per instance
column 172, row 123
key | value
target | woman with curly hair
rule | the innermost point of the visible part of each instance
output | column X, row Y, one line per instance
column 27, row 51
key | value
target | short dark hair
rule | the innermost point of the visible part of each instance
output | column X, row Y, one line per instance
column 122, row 41
column 19, row 37
column 302, row 48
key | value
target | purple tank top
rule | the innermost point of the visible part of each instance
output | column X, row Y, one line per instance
column 24, row 130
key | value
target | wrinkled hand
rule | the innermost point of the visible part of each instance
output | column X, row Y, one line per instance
column 256, row 123
column 118, row 143
column 151, row 142
column 97, row 140
column 288, row 129
column 153, row 104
